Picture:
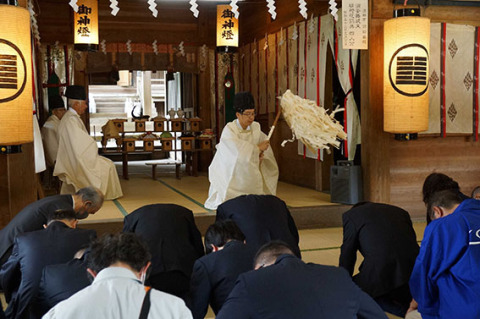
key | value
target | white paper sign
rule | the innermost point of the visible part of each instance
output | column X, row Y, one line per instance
column 355, row 24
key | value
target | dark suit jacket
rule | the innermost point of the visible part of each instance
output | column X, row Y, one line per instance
column 31, row 252
column 385, row 237
column 261, row 218
column 292, row 289
column 58, row 283
column 171, row 234
column 214, row 276
column 30, row 218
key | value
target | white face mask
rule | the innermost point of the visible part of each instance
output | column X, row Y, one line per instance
column 143, row 276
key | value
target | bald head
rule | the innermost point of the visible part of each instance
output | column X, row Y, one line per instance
column 88, row 200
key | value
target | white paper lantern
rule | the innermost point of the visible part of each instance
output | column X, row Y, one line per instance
column 16, row 126
column 405, row 77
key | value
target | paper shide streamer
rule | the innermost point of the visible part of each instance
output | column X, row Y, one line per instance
column 114, row 7
column 282, row 41
column 153, row 7
column 234, row 6
column 103, row 46
column 74, row 5
column 129, row 46
column 33, row 19
column 155, row 47
column 333, row 9
column 302, row 5
column 181, row 49
column 295, row 31
column 271, row 8
column 193, row 8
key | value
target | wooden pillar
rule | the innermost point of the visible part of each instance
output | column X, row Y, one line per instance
column 375, row 142
column 17, row 182
column 80, row 77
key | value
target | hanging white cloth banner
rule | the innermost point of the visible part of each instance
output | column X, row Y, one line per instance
column 346, row 62
column 40, row 164
column 271, row 60
column 451, row 79
column 292, row 54
column 311, row 67
column 282, row 64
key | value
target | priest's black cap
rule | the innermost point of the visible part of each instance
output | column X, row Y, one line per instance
column 243, row 101
column 55, row 102
column 76, row 92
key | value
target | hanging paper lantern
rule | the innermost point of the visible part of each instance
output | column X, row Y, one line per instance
column 16, row 126
column 227, row 28
column 85, row 25
column 405, row 77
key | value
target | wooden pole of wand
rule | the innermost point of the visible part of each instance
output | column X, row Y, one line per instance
column 274, row 123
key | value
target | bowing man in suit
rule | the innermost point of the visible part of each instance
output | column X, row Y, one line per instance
column 32, row 251
column 60, row 282
column 86, row 201
column 214, row 274
column 174, row 242
column 262, row 218
column 283, row 287
column 385, row 237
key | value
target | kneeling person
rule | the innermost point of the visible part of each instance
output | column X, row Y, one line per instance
column 119, row 264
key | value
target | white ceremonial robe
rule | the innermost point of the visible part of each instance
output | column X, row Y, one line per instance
column 78, row 163
column 50, row 139
column 236, row 170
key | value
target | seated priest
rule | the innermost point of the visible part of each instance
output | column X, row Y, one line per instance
column 244, row 162
column 50, row 128
column 78, row 163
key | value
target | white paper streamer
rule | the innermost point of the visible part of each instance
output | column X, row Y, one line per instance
column 153, row 7
column 333, row 9
column 129, row 46
column 33, row 19
column 282, row 41
column 311, row 25
column 234, row 6
column 103, row 46
column 302, row 5
column 155, row 48
column 204, row 51
column 271, row 8
column 74, row 5
column 193, row 8
column 114, row 6
column 181, row 49
column 295, row 31
column 254, row 46
column 265, row 47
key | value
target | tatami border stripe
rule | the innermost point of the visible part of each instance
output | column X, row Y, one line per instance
column 120, row 207
column 319, row 249
column 184, row 195
column 330, row 248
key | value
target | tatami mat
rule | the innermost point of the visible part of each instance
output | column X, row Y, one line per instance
column 189, row 191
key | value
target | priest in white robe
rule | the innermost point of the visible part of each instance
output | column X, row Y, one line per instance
column 50, row 128
column 244, row 162
column 78, row 164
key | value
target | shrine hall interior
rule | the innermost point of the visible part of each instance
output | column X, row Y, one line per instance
column 392, row 170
